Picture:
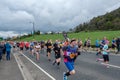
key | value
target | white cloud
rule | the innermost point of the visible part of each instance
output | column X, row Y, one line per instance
column 8, row 34
column 50, row 15
column 113, row 7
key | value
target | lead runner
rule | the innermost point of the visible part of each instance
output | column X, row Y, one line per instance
column 69, row 56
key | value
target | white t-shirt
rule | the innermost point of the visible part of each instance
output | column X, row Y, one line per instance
column 38, row 46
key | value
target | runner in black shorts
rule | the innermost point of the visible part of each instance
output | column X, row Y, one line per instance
column 49, row 47
column 118, row 45
column 106, row 54
column 57, row 54
column 42, row 46
column 114, row 43
column 21, row 46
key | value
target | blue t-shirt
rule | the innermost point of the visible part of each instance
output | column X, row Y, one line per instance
column 31, row 44
column 8, row 47
column 103, row 42
column 70, row 50
column 97, row 43
column 113, row 41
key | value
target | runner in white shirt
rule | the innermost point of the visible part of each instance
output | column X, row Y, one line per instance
column 37, row 51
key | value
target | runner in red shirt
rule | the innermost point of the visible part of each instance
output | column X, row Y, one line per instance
column 22, row 46
column 27, row 45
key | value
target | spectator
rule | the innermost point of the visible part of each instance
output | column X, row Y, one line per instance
column 1, row 50
column 8, row 49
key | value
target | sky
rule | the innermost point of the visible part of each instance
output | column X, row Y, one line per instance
column 17, row 16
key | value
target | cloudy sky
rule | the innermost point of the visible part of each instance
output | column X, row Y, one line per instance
column 49, row 15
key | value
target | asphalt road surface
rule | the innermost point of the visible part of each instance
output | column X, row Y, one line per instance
column 9, row 70
column 86, row 67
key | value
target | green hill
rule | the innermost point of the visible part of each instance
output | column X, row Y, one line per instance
column 109, row 21
column 81, row 35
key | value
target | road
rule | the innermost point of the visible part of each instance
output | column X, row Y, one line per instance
column 86, row 67
column 25, row 67
column 9, row 70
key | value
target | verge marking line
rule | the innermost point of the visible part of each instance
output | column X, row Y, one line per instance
column 39, row 67
column 112, row 65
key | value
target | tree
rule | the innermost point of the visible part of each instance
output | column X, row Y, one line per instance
column 1, row 38
column 37, row 32
column 109, row 21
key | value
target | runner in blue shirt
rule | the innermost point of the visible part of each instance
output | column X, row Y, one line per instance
column 97, row 45
column 69, row 56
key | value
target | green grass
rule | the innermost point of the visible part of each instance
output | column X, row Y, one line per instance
column 82, row 35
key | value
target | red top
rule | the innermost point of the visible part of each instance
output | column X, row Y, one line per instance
column 22, row 44
column 27, row 44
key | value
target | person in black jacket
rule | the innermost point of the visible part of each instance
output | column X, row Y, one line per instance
column 118, row 45
column 1, row 49
column 4, row 51
column 57, row 50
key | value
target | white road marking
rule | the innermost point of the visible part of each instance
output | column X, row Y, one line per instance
column 39, row 67
column 20, row 67
column 111, row 65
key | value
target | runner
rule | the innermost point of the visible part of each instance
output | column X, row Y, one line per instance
column 102, row 43
column 105, row 53
column 85, row 45
column 17, row 44
column 49, row 47
column 14, row 45
column 99, row 51
column 88, row 43
column 78, row 52
column 65, row 45
column 27, row 45
column 114, row 43
column 97, row 45
column 57, row 54
column 69, row 59
column 21, row 46
column 32, row 48
column 37, row 51
column 80, row 45
column 42, row 46
column 118, row 45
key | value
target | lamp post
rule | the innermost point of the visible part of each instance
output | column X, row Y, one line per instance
column 33, row 28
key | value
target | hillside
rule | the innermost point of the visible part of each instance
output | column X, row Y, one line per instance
column 109, row 21
column 82, row 35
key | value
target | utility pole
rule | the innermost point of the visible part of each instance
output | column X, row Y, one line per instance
column 33, row 24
